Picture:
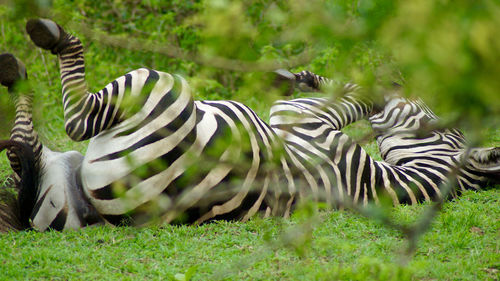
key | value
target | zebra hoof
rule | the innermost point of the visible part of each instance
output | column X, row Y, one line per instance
column 284, row 80
column 45, row 33
column 11, row 70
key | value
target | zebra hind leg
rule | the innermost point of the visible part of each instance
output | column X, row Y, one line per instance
column 47, row 34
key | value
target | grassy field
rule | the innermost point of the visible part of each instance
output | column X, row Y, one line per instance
column 462, row 244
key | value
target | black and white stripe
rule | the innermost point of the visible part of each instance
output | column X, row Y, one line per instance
column 307, row 81
column 408, row 136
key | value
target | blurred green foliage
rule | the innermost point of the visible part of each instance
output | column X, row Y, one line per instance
column 445, row 52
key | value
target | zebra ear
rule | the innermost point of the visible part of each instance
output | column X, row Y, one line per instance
column 486, row 160
column 284, row 80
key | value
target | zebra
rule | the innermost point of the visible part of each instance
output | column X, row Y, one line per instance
column 144, row 163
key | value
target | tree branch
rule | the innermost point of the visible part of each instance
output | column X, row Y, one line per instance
column 175, row 52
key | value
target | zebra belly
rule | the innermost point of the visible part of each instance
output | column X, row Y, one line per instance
column 119, row 174
column 167, row 174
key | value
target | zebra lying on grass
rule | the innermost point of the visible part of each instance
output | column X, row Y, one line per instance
column 173, row 159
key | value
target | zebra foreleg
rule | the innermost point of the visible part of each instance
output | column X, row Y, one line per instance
column 13, row 71
column 87, row 114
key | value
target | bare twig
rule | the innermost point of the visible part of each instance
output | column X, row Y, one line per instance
column 45, row 66
column 176, row 52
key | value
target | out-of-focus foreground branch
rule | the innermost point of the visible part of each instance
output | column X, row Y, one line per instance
column 175, row 52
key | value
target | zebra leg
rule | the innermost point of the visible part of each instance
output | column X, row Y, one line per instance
column 316, row 112
column 13, row 70
column 47, row 35
column 485, row 161
column 304, row 81
column 86, row 114
column 409, row 135
column 312, row 113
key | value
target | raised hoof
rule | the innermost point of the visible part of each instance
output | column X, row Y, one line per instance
column 11, row 70
column 284, row 80
column 44, row 33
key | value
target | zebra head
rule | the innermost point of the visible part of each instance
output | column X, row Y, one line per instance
column 60, row 201
column 50, row 194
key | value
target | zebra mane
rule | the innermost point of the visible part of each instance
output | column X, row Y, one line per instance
column 28, row 185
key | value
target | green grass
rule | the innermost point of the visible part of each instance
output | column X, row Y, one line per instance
column 463, row 244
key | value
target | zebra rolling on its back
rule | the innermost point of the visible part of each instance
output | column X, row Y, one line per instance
column 199, row 160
